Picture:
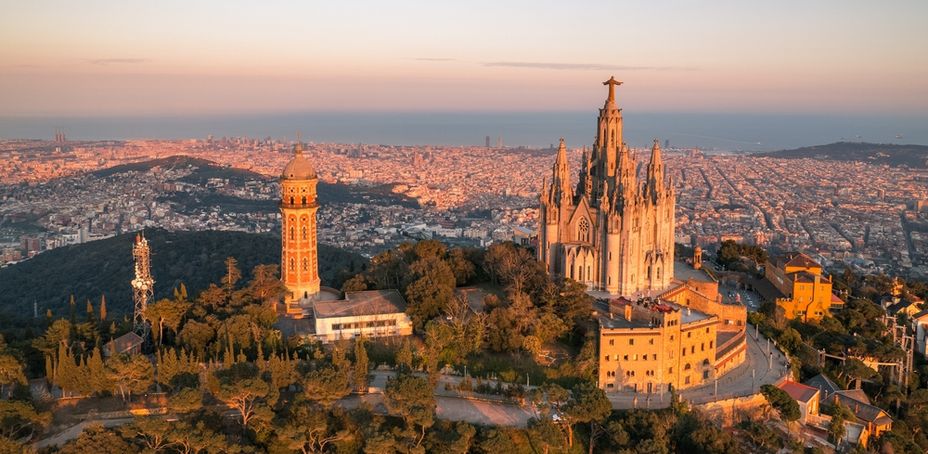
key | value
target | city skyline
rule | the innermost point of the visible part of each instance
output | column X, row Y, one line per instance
column 91, row 59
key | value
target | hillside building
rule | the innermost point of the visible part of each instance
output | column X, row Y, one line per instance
column 800, row 287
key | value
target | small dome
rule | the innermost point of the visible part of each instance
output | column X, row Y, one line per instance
column 299, row 168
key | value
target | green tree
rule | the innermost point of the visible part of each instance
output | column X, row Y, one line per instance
column 241, row 388
column 97, row 440
column 413, row 399
column 153, row 433
column 11, row 372
column 20, row 420
column 197, row 336
column 361, row 364
column 130, row 374
column 431, row 289
column 326, row 386
column 588, row 404
column 197, row 438
column 102, row 308
column 785, row 406
column 308, row 429
column 231, row 277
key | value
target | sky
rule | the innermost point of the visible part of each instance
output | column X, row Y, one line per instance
column 134, row 58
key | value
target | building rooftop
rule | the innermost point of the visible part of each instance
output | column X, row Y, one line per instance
column 355, row 304
column 684, row 272
column 655, row 306
column 798, row 391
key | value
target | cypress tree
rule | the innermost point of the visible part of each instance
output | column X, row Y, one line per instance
column 102, row 307
column 89, row 310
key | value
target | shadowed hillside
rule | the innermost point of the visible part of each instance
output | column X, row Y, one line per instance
column 105, row 267
column 915, row 156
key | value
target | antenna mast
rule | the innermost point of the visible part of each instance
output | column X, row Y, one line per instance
column 142, row 285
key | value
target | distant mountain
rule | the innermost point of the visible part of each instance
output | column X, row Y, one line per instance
column 914, row 156
column 203, row 170
column 106, row 266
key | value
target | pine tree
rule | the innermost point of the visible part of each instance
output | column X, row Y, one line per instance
column 48, row 315
column 96, row 372
column 102, row 307
column 49, row 368
column 360, row 364
column 89, row 310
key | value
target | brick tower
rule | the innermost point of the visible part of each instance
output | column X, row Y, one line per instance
column 299, row 269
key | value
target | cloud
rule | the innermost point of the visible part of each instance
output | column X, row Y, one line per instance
column 433, row 59
column 580, row 66
column 117, row 61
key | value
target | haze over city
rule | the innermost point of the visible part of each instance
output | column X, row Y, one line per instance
column 854, row 63
column 475, row 227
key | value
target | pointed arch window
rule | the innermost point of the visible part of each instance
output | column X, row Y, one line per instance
column 304, row 200
column 305, row 264
column 292, row 232
column 292, row 264
column 583, row 230
column 304, row 232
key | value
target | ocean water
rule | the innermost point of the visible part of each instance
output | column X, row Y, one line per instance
column 711, row 131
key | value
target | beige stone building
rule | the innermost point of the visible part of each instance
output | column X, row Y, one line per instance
column 611, row 232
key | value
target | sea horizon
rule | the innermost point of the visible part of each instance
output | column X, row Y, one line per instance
column 710, row 131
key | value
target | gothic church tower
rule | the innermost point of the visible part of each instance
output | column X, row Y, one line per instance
column 613, row 233
column 299, row 268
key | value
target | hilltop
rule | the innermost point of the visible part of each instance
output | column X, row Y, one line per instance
column 105, row 267
column 914, row 156
column 202, row 170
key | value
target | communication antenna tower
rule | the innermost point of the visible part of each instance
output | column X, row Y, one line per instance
column 142, row 285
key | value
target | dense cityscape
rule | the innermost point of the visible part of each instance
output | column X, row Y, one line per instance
column 416, row 227
column 471, row 195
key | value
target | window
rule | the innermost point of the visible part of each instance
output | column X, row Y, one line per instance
column 710, row 344
column 305, row 264
column 304, row 200
column 670, row 370
column 292, row 231
column 689, row 335
column 705, row 374
column 631, row 342
column 291, row 201
column 683, row 352
column 654, row 356
column 292, row 264
column 607, row 357
column 707, row 330
column 687, row 366
column 304, row 232
column 687, row 380
column 651, row 341
column 625, row 358
column 702, row 347
column 611, row 341
column 693, row 349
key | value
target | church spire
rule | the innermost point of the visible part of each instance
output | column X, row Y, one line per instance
column 656, row 169
column 560, row 181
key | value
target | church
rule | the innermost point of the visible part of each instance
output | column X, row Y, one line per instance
column 611, row 232
column 663, row 323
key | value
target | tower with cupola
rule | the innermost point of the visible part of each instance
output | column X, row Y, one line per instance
column 299, row 267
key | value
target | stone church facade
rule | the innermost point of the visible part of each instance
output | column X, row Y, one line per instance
column 612, row 231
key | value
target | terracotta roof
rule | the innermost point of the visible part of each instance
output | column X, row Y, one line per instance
column 800, row 259
column 798, row 391
column 369, row 302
